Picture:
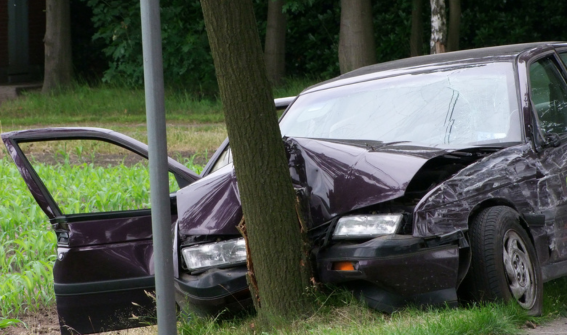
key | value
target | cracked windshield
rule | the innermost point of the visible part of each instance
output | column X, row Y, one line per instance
column 474, row 105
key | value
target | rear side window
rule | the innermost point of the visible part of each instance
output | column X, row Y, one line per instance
column 549, row 95
column 564, row 58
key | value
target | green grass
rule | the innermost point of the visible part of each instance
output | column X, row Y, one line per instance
column 340, row 313
column 110, row 104
column 27, row 247
column 348, row 316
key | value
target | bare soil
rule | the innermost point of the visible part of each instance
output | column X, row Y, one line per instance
column 556, row 327
column 45, row 322
column 42, row 322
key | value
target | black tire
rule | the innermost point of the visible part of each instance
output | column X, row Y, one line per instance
column 496, row 237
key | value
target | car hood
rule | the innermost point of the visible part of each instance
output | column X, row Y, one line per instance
column 337, row 177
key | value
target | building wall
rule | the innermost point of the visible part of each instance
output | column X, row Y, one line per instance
column 36, row 32
column 3, row 33
column 36, row 21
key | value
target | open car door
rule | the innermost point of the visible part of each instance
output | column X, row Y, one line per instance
column 93, row 185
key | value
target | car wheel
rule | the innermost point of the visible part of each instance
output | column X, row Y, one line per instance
column 504, row 263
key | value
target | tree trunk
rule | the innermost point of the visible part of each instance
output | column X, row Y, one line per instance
column 454, row 25
column 356, row 37
column 438, row 26
column 416, row 40
column 274, row 49
column 267, row 196
column 58, row 60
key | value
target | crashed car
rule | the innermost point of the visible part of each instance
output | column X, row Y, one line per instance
column 423, row 181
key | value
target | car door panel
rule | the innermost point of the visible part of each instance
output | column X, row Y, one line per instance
column 548, row 95
column 104, row 264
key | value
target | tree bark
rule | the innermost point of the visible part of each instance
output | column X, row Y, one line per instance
column 416, row 40
column 438, row 26
column 274, row 48
column 58, row 59
column 356, row 38
column 454, row 25
column 267, row 196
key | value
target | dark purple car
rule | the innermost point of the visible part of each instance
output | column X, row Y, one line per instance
column 424, row 181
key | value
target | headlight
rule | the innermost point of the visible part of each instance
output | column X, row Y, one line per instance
column 215, row 254
column 367, row 225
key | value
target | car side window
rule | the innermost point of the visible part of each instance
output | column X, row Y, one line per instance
column 224, row 159
column 549, row 96
column 90, row 176
column 564, row 58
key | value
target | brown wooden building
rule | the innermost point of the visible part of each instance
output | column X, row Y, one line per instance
column 22, row 28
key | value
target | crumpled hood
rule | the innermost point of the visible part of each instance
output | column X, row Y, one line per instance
column 338, row 177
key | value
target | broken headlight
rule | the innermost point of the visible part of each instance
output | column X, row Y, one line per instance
column 215, row 254
column 362, row 226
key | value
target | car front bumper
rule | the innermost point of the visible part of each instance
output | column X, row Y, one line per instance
column 395, row 270
column 213, row 291
column 389, row 273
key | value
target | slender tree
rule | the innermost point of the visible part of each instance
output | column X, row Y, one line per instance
column 274, row 48
column 277, row 268
column 454, row 25
column 416, row 39
column 356, row 37
column 438, row 26
column 58, row 60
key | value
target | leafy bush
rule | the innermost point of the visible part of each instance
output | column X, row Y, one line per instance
column 186, row 53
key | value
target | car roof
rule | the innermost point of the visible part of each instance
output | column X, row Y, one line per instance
column 500, row 53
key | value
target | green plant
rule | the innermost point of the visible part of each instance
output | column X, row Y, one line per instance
column 5, row 323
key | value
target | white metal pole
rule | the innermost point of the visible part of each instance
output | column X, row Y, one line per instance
column 159, row 184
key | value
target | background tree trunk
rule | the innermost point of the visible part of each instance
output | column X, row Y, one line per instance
column 416, row 40
column 274, row 49
column 438, row 26
column 58, row 58
column 356, row 38
column 266, row 192
column 454, row 25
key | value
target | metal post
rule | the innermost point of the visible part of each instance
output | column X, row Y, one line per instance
column 159, row 184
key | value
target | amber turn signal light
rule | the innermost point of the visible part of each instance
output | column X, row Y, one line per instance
column 343, row 266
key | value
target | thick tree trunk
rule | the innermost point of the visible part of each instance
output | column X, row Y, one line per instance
column 454, row 25
column 438, row 26
column 416, row 40
column 266, row 192
column 356, row 38
column 58, row 60
column 274, row 49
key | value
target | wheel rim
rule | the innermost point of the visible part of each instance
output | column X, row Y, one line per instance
column 519, row 269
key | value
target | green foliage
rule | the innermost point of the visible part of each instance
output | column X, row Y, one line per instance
column 340, row 313
column 186, row 53
column 5, row 323
column 312, row 35
column 489, row 23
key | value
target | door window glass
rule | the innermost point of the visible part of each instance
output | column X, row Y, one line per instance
column 88, row 176
column 549, row 96
column 564, row 58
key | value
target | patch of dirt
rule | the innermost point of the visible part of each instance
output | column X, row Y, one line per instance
column 555, row 327
column 45, row 322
